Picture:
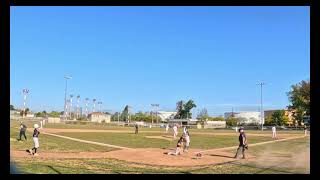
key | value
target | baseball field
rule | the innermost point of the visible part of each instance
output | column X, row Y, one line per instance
column 70, row 149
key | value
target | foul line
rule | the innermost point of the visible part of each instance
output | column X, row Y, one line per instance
column 256, row 144
column 89, row 142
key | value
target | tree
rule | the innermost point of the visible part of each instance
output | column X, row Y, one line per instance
column 241, row 120
column 299, row 96
column 268, row 120
column 12, row 107
column 298, row 115
column 180, row 105
column 279, row 118
column 183, row 109
column 115, row 116
column 53, row 114
column 215, row 119
column 125, row 114
column 203, row 115
column 231, row 121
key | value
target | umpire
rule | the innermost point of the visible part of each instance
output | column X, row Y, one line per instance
column 242, row 144
column 23, row 129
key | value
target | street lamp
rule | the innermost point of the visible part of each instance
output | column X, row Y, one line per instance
column 65, row 96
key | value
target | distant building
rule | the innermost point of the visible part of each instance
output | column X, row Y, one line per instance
column 247, row 117
column 54, row 120
column 99, row 117
column 183, row 121
column 166, row 115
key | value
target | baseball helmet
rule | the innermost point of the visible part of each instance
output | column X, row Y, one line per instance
column 36, row 126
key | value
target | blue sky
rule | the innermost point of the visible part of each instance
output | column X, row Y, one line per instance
column 144, row 55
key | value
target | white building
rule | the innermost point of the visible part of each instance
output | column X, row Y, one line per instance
column 99, row 117
column 166, row 115
column 245, row 117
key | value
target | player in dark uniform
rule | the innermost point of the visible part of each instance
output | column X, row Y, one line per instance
column 23, row 129
column 136, row 128
column 242, row 144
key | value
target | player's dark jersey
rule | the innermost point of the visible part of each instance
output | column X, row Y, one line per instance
column 242, row 138
column 35, row 133
column 23, row 128
column 180, row 142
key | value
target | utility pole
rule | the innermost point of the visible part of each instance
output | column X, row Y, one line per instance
column 65, row 96
column 261, row 107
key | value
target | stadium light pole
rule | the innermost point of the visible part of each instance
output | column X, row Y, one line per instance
column 86, row 100
column 25, row 93
column 65, row 95
column 100, row 105
column 94, row 105
column 261, row 106
column 70, row 111
column 78, row 106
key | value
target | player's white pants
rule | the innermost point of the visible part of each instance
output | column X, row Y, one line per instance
column 177, row 152
column 305, row 132
column 175, row 133
column 36, row 142
column 274, row 134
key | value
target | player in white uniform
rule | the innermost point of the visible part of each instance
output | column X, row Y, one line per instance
column 167, row 128
column 175, row 131
column 186, row 138
column 274, row 132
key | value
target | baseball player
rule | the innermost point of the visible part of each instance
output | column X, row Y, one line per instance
column 187, row 141
column 178, row 148
column 23, row 129
column 167, row 128
column 35, row 136
column 242, row 144
column 274, row 132
column 175, row 131
column 305, row 130
column 136, row 128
